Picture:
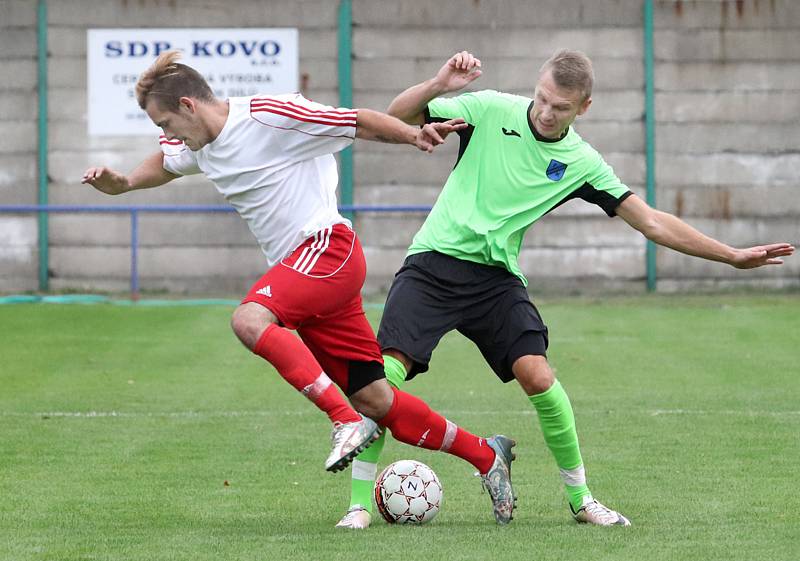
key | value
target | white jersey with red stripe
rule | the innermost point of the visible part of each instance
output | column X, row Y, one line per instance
column 273, row 162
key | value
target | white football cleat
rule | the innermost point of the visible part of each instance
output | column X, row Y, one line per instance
column 593, row 512
column 357, row 518
column 349, row 440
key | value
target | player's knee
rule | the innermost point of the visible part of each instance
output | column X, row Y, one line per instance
column 373, row 400
column 249, row 321
column 534, row 374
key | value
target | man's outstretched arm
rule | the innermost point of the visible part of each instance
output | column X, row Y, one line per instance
column 459, row 70
column 672, row 232
column 372, row 125
column 150, row 173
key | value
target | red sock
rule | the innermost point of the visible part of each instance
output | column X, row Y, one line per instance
column 298, row 366
column 413, row 422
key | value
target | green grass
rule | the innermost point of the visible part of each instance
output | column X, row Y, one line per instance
column 131, row 433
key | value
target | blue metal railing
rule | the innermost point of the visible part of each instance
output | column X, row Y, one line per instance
column 135, row 210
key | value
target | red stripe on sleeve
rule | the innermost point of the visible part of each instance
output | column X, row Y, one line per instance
column 304, row 109
column 305, row 119
column 292, row 109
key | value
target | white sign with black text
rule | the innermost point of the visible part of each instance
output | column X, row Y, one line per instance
column 235, row 62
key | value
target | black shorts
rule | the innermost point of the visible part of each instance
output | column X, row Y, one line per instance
column 434, row 293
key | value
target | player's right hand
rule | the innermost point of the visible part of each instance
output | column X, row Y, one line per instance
column 433, row 134
column 106, row 180
column 460, row 69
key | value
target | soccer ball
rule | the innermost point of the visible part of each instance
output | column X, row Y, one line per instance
column 408, row 492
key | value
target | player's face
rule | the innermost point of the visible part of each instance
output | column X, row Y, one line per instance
column 554, row 108
column 184, row 124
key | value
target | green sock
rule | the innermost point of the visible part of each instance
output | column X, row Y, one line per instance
column 365, row 466
column 558, row 427
column 364, row 471
column 394, row 370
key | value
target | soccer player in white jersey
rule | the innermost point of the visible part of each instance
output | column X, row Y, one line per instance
column 271, row 157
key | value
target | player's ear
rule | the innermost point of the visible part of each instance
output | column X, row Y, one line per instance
column 585, row 105
column 188, row 104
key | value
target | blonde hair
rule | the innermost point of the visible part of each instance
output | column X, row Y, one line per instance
column 168, row 80
column 571, row 70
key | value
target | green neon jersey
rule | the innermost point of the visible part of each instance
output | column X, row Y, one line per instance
column 506, row 178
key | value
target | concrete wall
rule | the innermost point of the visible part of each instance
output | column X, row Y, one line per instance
column 727, row 112
column 18, row 156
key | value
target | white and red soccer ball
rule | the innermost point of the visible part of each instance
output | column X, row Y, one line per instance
column 408, row 492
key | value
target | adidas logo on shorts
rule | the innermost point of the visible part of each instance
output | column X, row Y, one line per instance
column 266, row 291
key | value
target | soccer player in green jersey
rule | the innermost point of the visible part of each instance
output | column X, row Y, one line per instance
column 518, row 160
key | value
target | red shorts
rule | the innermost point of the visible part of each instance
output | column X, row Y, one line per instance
column 317, row 291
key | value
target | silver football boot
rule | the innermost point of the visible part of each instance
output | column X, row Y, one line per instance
column 349, row 440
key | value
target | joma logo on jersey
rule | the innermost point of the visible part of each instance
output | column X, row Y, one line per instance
column 555, row 170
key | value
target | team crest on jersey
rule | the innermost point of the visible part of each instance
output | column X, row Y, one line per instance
column 555, row 170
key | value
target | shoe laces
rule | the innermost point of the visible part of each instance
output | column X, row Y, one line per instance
column 352, row 512
column 484, row 486
column 337, row 434
column 487, row 486
column 351, row 518
column 601, row 511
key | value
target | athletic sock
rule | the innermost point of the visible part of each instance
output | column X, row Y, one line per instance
column 292, row 359
column 558, row 426
column 365, row 466
column 412, row 421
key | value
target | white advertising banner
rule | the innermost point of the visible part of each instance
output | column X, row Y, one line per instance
column 235, row 62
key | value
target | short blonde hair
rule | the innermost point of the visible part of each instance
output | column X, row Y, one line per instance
column 168, row 80
column 571, row 70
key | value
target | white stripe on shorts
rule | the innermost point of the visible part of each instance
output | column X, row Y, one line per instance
column 326, row 241
column 305, row 251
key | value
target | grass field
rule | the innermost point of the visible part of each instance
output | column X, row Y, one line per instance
column 136, row 433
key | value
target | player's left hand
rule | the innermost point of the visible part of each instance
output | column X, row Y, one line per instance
column 459, row 70
column 433, row 134
column 761, row 255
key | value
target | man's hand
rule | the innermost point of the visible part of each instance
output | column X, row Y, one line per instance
column 106, row 180
column 149, row 173
column 461, row 69
column 433, row 134
column 761, row 255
